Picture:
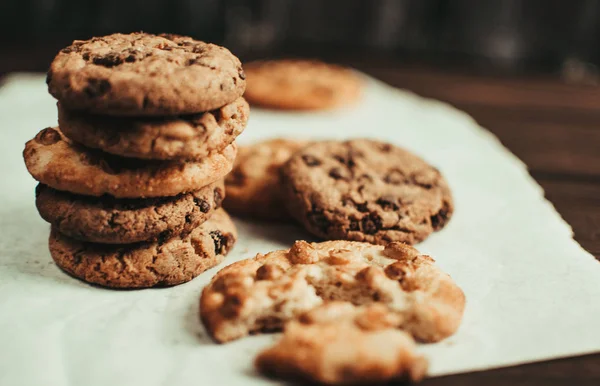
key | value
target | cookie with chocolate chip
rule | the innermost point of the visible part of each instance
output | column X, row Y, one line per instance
column 56, row 161
column 163, row 262
column 300, row 85
column 123, row 221
column 184, row 137
column 253, row 186
column 145, row 74
column 366, row 190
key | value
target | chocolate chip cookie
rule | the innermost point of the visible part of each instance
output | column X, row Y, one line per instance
column 160, row 263
column 182, row 137
column 300, row 85
column 254, row 186
column 365, row 190
column 145, row 74
column 124, row 221
column 54, row 160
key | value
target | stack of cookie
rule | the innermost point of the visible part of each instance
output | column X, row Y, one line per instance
column 132, row 179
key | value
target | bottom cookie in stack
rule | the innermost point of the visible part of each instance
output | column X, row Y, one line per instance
column 146, row 264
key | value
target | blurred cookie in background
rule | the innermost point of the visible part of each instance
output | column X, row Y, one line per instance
column 253, row 186
column 300, row 85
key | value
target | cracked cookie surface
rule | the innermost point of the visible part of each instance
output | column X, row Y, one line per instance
column 124, row 221
column 341, row 344
column 300, row 85
column 365, row 190
column 145, row 74
column 56, row 161
column 254, row 185
column 160, row 263
column 261, row 294
column 181, row 137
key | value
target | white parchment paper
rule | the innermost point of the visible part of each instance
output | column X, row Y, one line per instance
column 532, row 292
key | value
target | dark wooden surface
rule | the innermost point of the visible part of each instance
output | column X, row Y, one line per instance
column 552, row 126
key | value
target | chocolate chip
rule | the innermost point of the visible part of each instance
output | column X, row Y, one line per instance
column 362, row 207
column 96, row 87
column 242, row 74
column 202, row 204
column 338, row 174
column 67, row 50
column 49, row 77
column 231, row 306
column 388, row 203
column 268, row 272
column 222, row 242
column 371, row 224
column 385, row 147
column 440, row 219
column 109, row 60
column 48, row 136
column 354, row 225
column 310, row 160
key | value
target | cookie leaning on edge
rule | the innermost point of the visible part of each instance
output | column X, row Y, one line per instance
column 341, row 344
column 180, row 137
column 161, row 263
column 300, row 85
column 55, row 161
column 144, row 74
column 365, row 190
column 254, row 185
column 124, row 221
column 262, row 293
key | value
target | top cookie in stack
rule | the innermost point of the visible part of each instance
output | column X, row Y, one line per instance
column 132, row 180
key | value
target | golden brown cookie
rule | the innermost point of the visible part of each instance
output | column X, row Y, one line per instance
column 189, row 137
column 161, row 263
column 123, row 221
column 54, row 160
column 254, row 186
column 365, row 190
column 144, row 74
column 300, row 85
column 341, row 344
column 263, row 293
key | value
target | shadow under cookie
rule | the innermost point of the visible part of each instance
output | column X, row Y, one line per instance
column 142, row 265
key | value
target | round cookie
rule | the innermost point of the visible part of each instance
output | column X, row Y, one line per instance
column 254, row 186
column 182, row 137
column 300, row 85
column 161, row 263
column 145, row 74
column 365, row 190
column 124, row 221
column 54, row 160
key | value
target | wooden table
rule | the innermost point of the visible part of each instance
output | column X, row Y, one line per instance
column 552, row 126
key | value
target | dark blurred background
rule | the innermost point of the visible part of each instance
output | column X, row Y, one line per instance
column 493, row 36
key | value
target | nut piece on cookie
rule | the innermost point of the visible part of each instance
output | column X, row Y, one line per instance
column 341, row 344
column 143, row 74
column 263, row 293
column 365, row 190
column 254, row 186
column 300, row 85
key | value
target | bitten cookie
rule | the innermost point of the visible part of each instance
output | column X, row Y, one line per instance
column 144, row 74
column 183, row 137
column 365, row 190
column 161, row 263
column 263, row 293
column 300, row 85
column 124, row 221
column 55, row 161
column 340, row 344
column 254, row 185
